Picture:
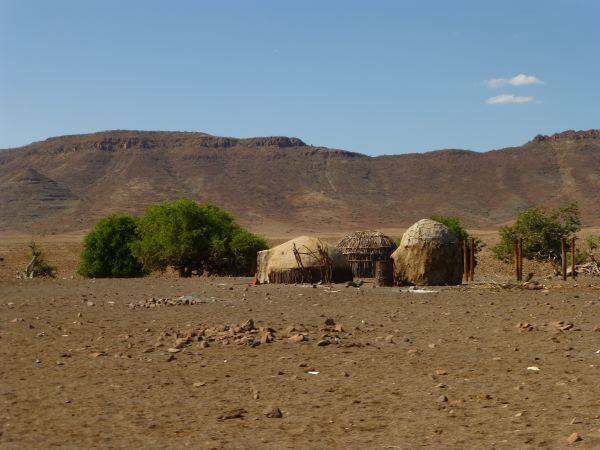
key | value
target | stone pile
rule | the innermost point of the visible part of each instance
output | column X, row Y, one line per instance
column 248, row 334
column 166, row 301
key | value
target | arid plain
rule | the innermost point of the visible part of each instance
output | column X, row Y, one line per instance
column 87, row 363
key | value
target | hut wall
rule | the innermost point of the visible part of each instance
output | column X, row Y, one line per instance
column 363, row 264
column 309, row 275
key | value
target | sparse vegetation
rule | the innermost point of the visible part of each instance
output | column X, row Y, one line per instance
column 541, row 231
column 38, row 265
column 107, row 249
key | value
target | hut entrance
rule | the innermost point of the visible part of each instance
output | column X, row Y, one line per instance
column 362, row 249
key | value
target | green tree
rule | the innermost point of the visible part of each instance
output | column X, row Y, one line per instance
column 453, row 223
column 244, row 247
column 107, row 249
column 190, row 237
column 541, row 231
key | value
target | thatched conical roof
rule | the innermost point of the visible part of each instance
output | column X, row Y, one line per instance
column 366, row 241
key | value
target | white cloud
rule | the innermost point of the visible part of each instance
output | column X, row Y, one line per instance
column 518, row 80
column 507, row 99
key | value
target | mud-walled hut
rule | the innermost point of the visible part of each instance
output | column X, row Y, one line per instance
column 302, row 260
column 363, row 249
column 429, row 254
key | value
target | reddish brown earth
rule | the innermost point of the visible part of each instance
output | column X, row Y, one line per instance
column 448, row 370
column 280, row 186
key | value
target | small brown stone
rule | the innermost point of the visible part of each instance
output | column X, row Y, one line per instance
column 323, row 342
column 442, row 399
column 273, row 413
column 233, row 414
column 266, row 338
column 297, row 338
column 573, row 438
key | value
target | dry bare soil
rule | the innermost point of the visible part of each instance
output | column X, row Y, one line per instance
column 82, row 368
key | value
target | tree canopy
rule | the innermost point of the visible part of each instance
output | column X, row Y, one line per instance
column 192, row 237
column 107, row 249
column 541, row 230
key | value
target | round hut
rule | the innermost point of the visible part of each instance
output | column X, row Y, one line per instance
column 429, row 254
column 363, row 249
column 303, row 259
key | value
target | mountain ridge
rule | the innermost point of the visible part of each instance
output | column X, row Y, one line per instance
column 282, row 183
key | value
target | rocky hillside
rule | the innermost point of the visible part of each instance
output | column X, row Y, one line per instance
column 281, row 185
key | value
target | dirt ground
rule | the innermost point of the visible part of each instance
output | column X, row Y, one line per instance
column 83, row 369
column 89, row 364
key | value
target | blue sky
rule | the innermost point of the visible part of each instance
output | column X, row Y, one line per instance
column 379, row 77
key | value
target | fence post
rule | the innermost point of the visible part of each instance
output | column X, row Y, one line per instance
column 516, row 258
column 472, row 259
column 563, row 251
column 465, row 270
column 520, row 245
column 573, row 258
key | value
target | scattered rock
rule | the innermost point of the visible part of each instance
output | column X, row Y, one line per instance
column 389, row 338
column 442, row 399
column 199, row 384
column 323, row 342
column 297, row 338
column 329, row 322
column 574, row 437
column 248, row 325
column 266, row 338
column 233, row 414
column 273, row 413
column 563, row 326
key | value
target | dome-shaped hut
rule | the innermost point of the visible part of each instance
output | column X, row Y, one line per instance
column 363, row 248
column 302, row 260
column 429, row 254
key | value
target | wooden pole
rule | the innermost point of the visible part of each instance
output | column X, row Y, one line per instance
column 465, row 271
column 563, row 252
column 472, row 259
column 573, row 258
column 520, row 257
column 516, row 258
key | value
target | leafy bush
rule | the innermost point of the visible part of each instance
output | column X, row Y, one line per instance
column 541, row 231
column 453, row 223
column 192, row 237
column 107, row 249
